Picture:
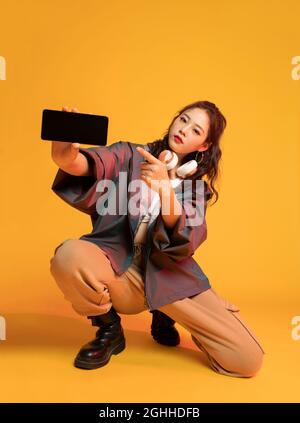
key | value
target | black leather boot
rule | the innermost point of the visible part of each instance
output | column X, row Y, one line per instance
column 163, row 329
column 109, row 340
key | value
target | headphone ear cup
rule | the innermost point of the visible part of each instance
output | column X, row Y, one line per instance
column 169, row 158
column 187, row 169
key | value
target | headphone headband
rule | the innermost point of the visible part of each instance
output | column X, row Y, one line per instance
column 170, row 158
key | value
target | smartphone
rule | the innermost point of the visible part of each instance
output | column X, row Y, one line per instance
column 83, row 128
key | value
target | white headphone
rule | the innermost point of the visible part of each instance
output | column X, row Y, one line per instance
column 170, row 158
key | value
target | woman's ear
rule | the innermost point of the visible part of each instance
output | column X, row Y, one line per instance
column 206, row 145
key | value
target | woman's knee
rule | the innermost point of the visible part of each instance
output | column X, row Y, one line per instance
column 74, row 254
column 80, row 268
column 64, row 255
column 244, row 362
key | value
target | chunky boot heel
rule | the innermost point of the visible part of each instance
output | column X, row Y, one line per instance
column 109, row 340
column 163, row 330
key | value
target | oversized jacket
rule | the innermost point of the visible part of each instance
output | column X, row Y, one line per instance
column 170, row 272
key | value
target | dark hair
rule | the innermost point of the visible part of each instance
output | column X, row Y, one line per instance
column 210, row 159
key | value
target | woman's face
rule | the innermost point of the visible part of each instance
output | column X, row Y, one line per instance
column 192, row 127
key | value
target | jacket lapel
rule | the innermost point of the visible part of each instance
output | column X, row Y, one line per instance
column 134, row 195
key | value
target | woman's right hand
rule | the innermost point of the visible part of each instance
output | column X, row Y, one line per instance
column 65, row 153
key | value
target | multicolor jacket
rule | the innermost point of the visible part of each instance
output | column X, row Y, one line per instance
column 170, row 273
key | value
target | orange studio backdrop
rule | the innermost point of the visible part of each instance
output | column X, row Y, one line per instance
column 138, row 62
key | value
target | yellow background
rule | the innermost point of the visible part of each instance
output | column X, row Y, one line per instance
column 138, row 62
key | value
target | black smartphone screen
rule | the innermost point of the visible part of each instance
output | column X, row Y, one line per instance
column 58, row 125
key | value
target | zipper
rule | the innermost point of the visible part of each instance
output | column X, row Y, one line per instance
column 145, row 260
column 132, row 241
column 145, row 255
column 130, row 228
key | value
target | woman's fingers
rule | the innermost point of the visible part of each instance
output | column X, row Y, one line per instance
column 66, row 109
column 105, row 298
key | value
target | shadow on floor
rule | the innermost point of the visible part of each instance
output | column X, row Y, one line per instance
column 52, row 331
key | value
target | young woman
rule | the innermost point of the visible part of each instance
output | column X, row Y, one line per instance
column 139, row 254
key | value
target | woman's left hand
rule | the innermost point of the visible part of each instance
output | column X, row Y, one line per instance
column 153, row 172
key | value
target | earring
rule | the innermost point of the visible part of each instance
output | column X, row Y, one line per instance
column 202, row 155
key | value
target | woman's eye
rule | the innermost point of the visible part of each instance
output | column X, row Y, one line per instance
column 182, row 118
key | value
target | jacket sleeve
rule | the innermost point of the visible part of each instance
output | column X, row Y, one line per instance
column 190, row 230
column 80, row 191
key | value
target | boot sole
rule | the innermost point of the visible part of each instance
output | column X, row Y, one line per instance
column 162, row 340
column 170, row 344
column 96, row 364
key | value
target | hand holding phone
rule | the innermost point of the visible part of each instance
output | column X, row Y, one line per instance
column 65, row 153
column 83, row 128
column 63, row 128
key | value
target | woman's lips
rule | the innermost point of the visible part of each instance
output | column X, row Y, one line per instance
column 178, row 139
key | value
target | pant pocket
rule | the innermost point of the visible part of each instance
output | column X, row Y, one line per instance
column 251, row 333
column 234, row 309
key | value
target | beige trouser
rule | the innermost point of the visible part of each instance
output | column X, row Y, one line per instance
column 84, row 274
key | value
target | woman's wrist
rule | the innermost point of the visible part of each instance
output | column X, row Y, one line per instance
column 79, row 167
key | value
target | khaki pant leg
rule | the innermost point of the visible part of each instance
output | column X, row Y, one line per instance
column 84, row 274
column 219, row 331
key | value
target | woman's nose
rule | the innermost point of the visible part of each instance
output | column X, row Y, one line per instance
column 184, row 130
